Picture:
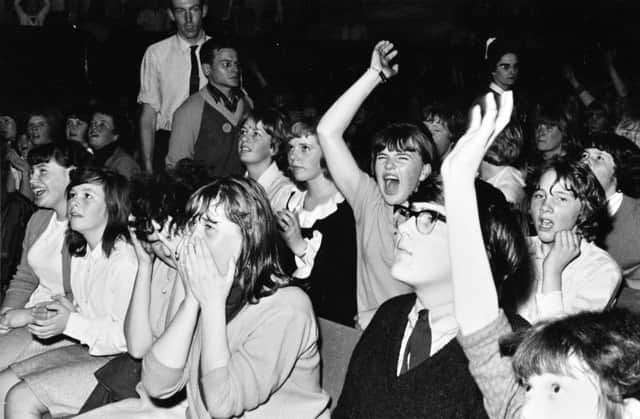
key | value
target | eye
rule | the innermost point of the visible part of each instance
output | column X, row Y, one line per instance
column 403, row 157
column 88, row 195
column 538, row 195
column 555, row 387
column 72, row 194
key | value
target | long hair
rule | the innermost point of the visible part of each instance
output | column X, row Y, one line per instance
column 258, row 272
column 116, row 193
column 606, row 344
column 626, row 158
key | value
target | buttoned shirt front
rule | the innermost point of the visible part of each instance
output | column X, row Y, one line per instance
column 164, row 77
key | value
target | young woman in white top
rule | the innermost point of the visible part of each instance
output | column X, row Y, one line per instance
column 103, row 269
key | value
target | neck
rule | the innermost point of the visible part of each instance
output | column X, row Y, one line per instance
column 488, row 170
column 224, row 89
column 61, row 210
column 611, row 190
column 94, row 237
column 435, row 294
column 320, row 188
column 193, row 41
column 255, row 170
column 546, row 155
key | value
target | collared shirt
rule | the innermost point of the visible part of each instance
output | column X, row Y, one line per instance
column 278, row 187
column 499, row 90
column 589, row 282
column 443, row 325
column 164, row 77
column 614, row 202
column 102, row 289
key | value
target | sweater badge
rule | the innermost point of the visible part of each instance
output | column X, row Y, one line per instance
column 226, row 127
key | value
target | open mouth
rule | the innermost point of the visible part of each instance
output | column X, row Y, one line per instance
column 391, row 184
column 544, row 224
column 38, row 191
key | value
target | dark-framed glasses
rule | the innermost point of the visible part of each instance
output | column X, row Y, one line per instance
column 425, row 219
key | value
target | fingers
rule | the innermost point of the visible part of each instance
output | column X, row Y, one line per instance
column 64, row 301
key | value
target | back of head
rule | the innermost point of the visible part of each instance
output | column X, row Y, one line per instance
column 66, row 154
column 506, row 148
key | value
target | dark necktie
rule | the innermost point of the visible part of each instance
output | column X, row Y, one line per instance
column 194, row 78
column 419, row 345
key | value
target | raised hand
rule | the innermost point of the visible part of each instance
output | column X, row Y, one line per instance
column 381, row 57
column 463, row 161
column 289, row 224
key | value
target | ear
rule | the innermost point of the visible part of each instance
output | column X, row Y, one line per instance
column 115, row 137
column 171, row 15
column 206, row 69
column 205, row 9
column 425, row 172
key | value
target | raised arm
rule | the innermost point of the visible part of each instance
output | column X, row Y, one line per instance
column 342, row 166
column 476, row 300
column 148, row 136
column 584, row 95
column 618, row 83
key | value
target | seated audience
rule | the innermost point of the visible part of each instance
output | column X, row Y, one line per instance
column 581, row 366
column 242, row 341
column 614, row 161
column 107, row 130
column 205, row 126
column 43, row 270
column 261, row 146
column 158, row 205
column 407, row 362
column 102, row 273
column 403, row 156
column 497, row 166
column 319, row 230
column 572, row 274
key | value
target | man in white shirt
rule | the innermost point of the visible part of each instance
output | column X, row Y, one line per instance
column 169, row 73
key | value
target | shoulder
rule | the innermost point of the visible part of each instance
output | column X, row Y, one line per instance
column 39, row 221
column 160, row 47
column 123, row 253
column 396, row 306
column 287, row 299
column 192, row 103
column 595, row 259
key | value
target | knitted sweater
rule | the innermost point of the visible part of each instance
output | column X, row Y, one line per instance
column 623, row 241
column 440, row 387
column 25, row 281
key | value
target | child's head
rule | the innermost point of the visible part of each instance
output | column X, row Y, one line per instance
column 422, row 251
column 506, row 149
column 445, row 124
column 566, row 195
column 232, row 215
column 51, row 165
column 582, row 366
column 263, row 137
column 403, row 156
column 304, row 155
column 553, row 134
column 98, row 209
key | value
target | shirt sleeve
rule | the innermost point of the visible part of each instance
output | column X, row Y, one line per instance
column 149, row 81
column 159, row 380
column 592, row 289
column 261, row 364
column 305, row 263
column 493, row 374
column 104, row 334
column 361, row 201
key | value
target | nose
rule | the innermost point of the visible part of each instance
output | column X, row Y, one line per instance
column 189, row 17
column 389, row 163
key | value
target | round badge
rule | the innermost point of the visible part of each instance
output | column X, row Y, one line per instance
column 226, row 127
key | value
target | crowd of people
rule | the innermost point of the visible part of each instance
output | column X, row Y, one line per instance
column 489, row 252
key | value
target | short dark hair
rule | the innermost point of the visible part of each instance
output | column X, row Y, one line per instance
column 453, row 119
column 580, row 180
column 607, row 343
column 120, row 124
column 116, row 191
column 503, row 238
column 257, row 272
column 407, row 137
column 209, row 48
column 54, row 119
column 626, row 157
column 66, row 154
column 506, row 148
column 497, row 49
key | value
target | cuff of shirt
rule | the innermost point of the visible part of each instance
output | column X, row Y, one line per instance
column 549, row 304
column 76, row 325
column 305, row 263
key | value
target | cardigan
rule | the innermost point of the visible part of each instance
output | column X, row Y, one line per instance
column 273, row 372
column 440, row 387
column 623, row 241
column 25, row 281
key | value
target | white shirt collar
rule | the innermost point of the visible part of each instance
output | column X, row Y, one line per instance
column 614, row 202
column 269, row 176
column 184, row 45
column 493, row 86
column 441, row 318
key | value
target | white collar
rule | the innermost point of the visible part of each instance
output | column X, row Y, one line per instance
column 184, row 45
column 441, row 318
column 321, row 211
column 493, row 86
column 614, row 202
column 269, row 176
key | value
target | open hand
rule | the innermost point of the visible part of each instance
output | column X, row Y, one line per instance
column 289, row 224
column 381, row 57
column 565, row 248
column 463, row 161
